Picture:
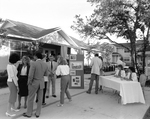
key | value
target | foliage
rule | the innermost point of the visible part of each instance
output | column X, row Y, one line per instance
column 105, row 49
column 120, row 17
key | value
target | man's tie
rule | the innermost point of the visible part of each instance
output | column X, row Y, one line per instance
column 130, row 77
column 51, row 65
column 119, row 73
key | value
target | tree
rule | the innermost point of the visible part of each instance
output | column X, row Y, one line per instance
column 105, row 49
column 120, row 17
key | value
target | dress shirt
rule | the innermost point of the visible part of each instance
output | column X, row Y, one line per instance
column 96, row 64
column 133, row 77
column 24, row 71
column 12, row 74
column 62, row 70
column 122, row 73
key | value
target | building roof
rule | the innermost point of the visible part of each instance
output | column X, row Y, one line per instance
column 80, row 43
column 25, row 31
column 45, row 32
column 20, row 29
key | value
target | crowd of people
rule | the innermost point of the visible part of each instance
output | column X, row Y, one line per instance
column 32, row 79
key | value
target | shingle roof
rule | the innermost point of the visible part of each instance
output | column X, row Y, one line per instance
column 80, row 43
column 45, row 32
column 21, row 29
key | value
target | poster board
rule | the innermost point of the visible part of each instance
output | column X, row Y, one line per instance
column 76, row 63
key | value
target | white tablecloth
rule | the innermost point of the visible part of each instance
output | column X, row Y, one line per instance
column 130, row 91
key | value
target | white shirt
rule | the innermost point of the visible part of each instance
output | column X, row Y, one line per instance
column 63, row 70
column 24, row 71
column 122, row 73
column 12, row 74
column 46, row 78
column 133, row 77
column 96, row 64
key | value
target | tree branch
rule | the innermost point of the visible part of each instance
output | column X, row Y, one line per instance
column 117, row 43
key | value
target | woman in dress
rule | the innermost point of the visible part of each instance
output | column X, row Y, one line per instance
column 23, row 70
column 64, row 71
column 12, row 83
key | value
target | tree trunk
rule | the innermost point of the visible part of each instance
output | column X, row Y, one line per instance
column 143, row 67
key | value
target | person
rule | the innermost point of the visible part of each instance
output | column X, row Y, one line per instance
column 52, row 66
column 63, row 70
column 23, row 70
column 131, row 75
column 38, row 70
column 45, row 82
column 58, row 56
column 96, row 64
column 101, row 72
column 12, row 83
column 120, row 72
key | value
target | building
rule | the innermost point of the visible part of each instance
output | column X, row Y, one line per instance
column 120, row 51
column 21, row 35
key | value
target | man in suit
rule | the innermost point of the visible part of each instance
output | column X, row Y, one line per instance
column 96, row 65
column 36, row 75
column 52, row 66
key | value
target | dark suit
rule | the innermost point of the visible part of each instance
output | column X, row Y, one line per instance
column 37, row 72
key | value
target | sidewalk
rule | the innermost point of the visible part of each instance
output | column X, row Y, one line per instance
column 84, row 106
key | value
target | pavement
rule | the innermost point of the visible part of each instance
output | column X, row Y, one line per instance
column 83, row 106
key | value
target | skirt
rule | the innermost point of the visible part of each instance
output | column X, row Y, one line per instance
column 23, row 87
column 13, row 92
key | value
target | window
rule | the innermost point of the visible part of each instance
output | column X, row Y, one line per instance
column 126, row 50
column 126, row 59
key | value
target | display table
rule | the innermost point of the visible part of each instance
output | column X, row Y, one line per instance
column 130, row 91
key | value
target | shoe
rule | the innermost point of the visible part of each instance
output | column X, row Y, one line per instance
column 16, row 110
column 43, row 103
column 25, row 106
column 25, row 115
column 47, row 96
column 10, row 115
column 88, row 92
column 54, row 96
column 37, row 116
column 60, row 105
column 96, row 92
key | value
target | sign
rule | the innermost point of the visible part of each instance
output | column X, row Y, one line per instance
column 76, row 65
column 76, row 71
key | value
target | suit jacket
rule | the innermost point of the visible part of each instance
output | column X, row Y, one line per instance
column 37, row 72
column 19, row 68
column 54, row 67
column 96, row 64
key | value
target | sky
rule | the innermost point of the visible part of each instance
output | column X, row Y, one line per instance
column 46, row 13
